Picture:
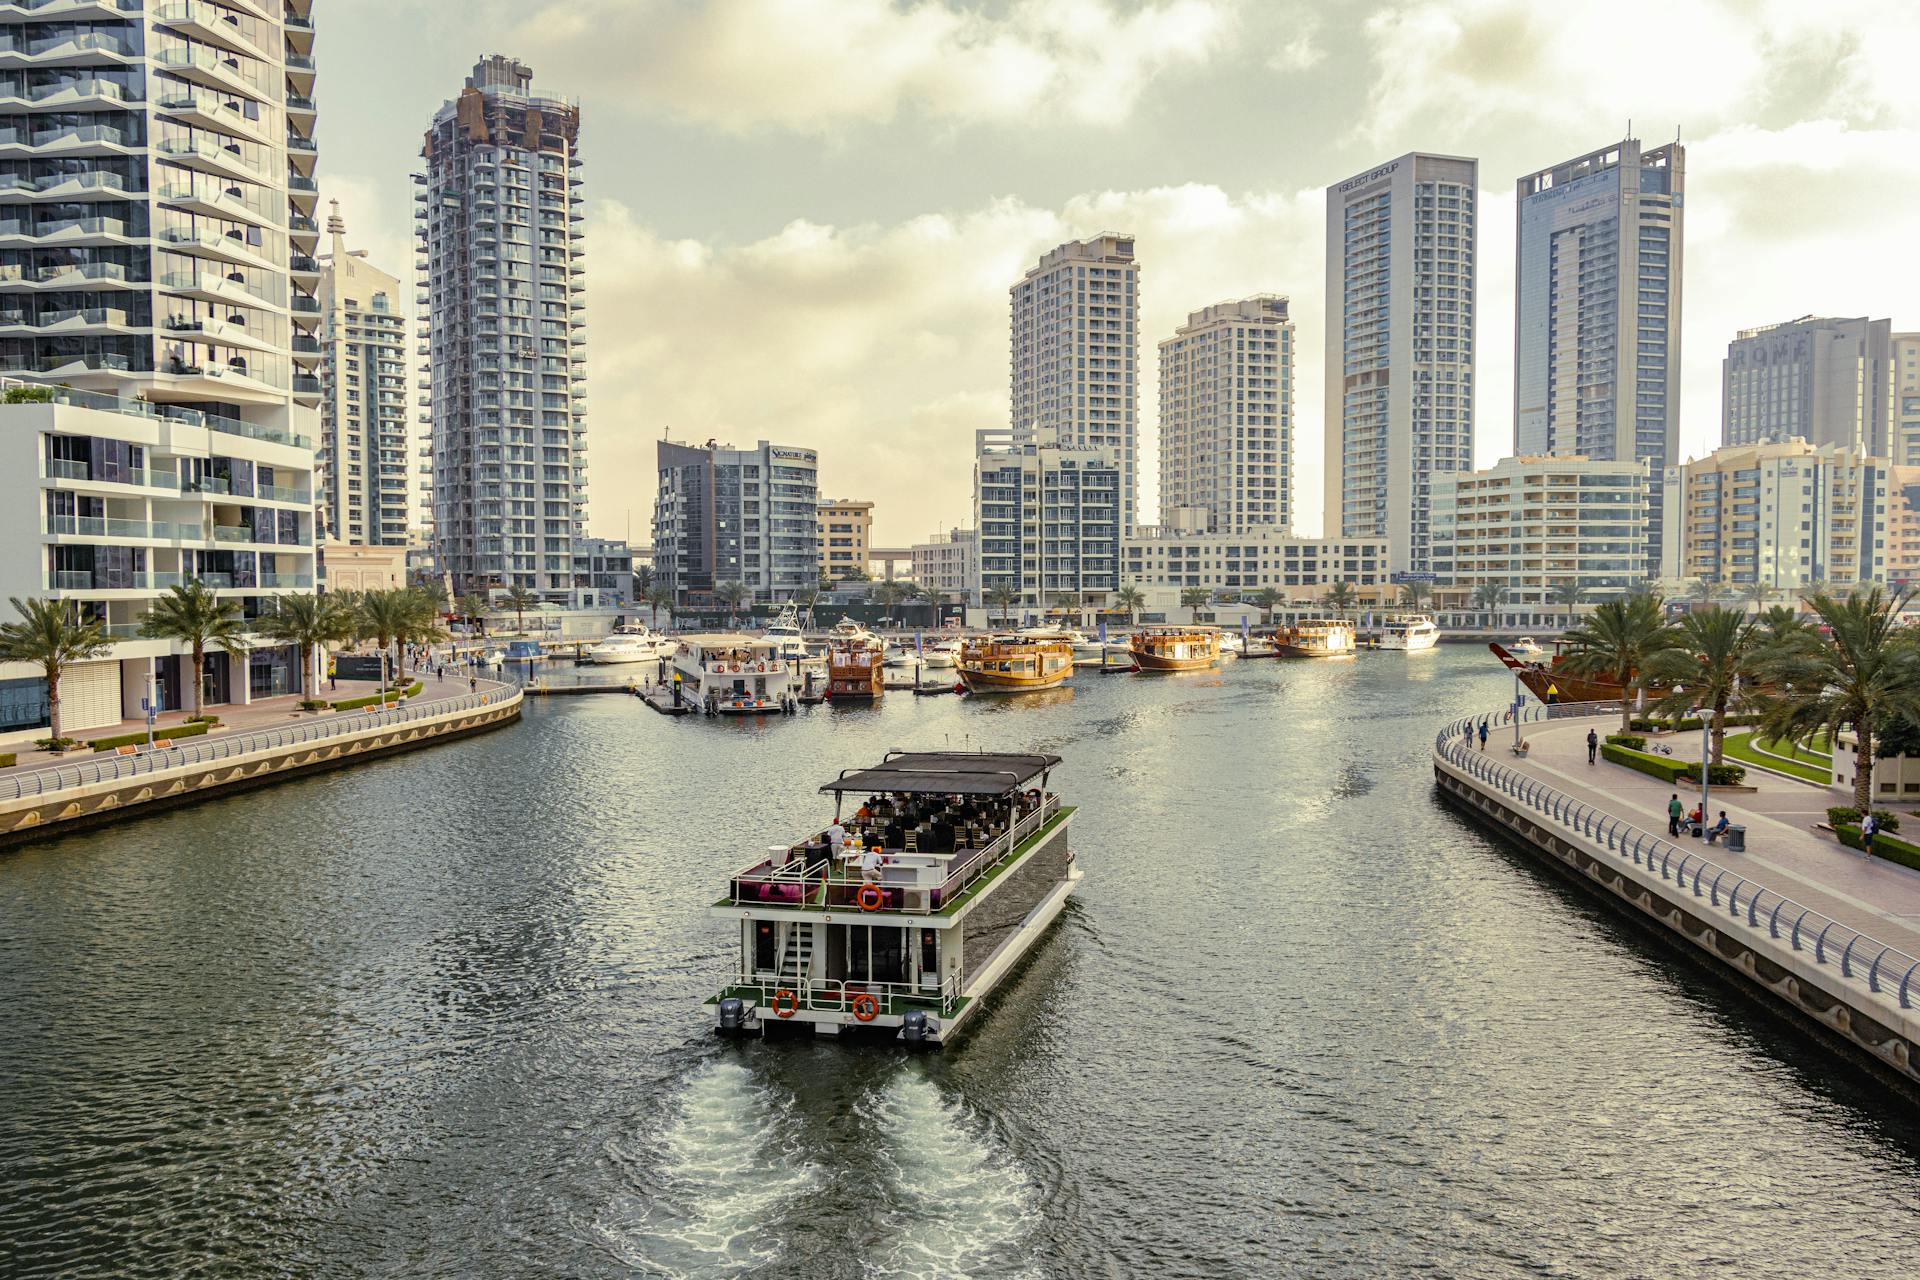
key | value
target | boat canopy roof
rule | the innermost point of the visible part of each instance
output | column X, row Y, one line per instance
column 966, row 773
column 725, row 640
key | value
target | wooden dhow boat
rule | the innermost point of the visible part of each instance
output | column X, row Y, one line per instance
column 1014, row 664
column 1315, row 638
column 1548, row 682
column 1175, row 648
column 854, row 670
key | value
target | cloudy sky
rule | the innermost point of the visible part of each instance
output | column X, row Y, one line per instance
column 804, row 214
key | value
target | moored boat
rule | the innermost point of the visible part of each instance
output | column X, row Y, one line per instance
column 853, row 670
column 1527, row 647
column 973, row 868
column 1550, row 683
column 630, row 645
column 1175, row 648
column 1315, row 638
column 1413, row 635
column 1010, row 664
column 785, row 632
column 732, row 674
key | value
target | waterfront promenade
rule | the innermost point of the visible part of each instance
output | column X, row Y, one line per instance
column 1876, row 897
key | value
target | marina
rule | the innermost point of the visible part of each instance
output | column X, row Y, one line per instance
column 526, row 973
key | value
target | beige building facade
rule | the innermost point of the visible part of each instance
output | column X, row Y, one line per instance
column 845, row 530
column 1534, row 525
column 1226, row 416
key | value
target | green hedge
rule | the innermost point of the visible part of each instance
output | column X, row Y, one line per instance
column 1846, row 814
column 1892, row 848
column 7, row 758
column 193, row 730
column 1670, row 770
column 1631, row 741
column 354, row 704
column 1648, row 725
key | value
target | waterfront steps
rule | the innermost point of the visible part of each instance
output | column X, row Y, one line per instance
column 1824, row 933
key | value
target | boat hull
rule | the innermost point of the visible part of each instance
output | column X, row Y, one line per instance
column 1552, row 686
column 1008, row 682
column 1153, row 663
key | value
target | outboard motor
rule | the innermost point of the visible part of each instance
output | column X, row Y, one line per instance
column 733, row 1014
column 913, row 1027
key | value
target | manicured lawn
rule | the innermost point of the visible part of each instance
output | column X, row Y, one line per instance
column 1737, row 747
column 1818, row 751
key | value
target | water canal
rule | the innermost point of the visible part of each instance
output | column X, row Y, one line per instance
column 440, row 1016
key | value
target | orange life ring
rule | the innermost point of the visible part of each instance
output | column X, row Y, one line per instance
column 870, row 898
column 791, row 1005
column 865, row 1007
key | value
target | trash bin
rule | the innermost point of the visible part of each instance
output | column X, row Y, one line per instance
column 1736, row 838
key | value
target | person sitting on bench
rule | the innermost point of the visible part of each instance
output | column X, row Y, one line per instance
column 1718, row 829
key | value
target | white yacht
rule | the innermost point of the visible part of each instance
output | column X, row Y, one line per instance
column 848, row 629
column 728, row 674
column 1086, row 648
column 1526, row 647
column 630, row 644
column 1412, row 634
column 785, row 631
column 943, row 655
column 1231, row 645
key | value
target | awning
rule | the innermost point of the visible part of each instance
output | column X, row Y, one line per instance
column 946, row 773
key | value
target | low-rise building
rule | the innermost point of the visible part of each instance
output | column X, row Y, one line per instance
column 1533, row 525
column 602, row 573
column 1161, row 563
column 947, row 566
column 116, row 500
column 346, row 566
column 1782, row 515
column 845, row 530
column 746, row 516
column 1048, row 516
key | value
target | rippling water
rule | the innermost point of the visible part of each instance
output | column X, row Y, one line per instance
column 440, row 1016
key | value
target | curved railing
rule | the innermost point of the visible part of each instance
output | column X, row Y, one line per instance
column 187, row 753
column 1863, row 961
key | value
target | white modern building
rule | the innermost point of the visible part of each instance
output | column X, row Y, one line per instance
column 1904, row 400
column 1163, row 562
column 1825, row 380
column 1597, row 311
column 948, row 565
column 362, row 462
column 1074, row 348
column 1532, row 525
column 1782, row 515
column 156, row 261
column 602, row 573
column 1048, row 517
column 1226, row 416
column 1401, row 259
column 503, row 319
column 725, row 515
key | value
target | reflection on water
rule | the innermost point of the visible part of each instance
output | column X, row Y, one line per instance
column 440, row 1015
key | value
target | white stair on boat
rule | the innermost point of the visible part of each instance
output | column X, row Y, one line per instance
column 796, row 955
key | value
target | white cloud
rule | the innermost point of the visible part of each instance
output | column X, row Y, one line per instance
column 813, row 66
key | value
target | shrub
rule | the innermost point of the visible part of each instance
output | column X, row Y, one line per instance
column 1690, row 723
column 28, row 395
column 190, row 730
column 313, row 704
column 6, row 759
column 1631, row 741
column 1719, row 775
column 1670, row 770
column 55, row 744
column 1841, row 815
column 1892, row 848
column 210, row 720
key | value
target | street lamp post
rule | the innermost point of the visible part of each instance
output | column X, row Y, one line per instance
column 1519, row 700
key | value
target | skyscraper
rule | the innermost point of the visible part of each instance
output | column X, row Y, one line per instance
column 1400, row 312
column 1074, row 353
column 503, row 311
column 1597, row 312
column 362, row 465
column 1226, row 418
column 1827, row 381
column 1905, row 399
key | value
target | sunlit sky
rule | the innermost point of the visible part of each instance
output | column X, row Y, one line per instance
column 803, row 215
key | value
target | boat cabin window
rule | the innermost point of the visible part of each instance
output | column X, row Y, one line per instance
column 876, row 953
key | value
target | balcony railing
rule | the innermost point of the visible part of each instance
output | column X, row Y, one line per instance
column 146, row 409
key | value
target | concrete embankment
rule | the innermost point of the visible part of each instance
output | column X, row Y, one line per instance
column 1859, row 991
column 51, row 801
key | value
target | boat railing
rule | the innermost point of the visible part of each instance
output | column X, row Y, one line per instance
column 804, row 882
column 1883, row 971
column 836, row 995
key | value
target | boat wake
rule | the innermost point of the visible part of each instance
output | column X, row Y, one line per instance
column 730, row 1163
column 956, row 1206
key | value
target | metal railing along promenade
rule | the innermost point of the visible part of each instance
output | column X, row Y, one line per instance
column 1862, row 961
column 185, row 753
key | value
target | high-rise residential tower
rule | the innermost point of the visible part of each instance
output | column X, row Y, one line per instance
column 1226, row 418
column 1597, row 312
column 748, row 516
column 1825, row 380
column 1904, row 400
column 1074, row 349
column 362, row 464
column 157, row 318
column 503, row 312
column 1400, row 312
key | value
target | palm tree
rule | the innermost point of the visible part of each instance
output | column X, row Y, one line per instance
column 1130, row 599
column 50, row 638
column 422, row 625
column 1340, row 597
column 1487, row 598
column 656, row 595
column 473, row 607
column 1712, row 665
column 1002, row 598
column 1414, row 594
column 1066, row 602
column 887, row 595
column 732, row 595
column 519, row 599
column 309, row 622
column 1620, row 639
column 1267, row 599
column 1784, row 628
column 385, row 617
column 1759, row 593
column 1865, row 672
column 642, row 581
column 192, row 614
column 1194, row 598
column 1569, row 593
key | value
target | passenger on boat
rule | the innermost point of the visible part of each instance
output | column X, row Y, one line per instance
column 836, row 837
column 870, row 863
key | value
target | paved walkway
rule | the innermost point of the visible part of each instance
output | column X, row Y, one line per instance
column 1876, row 897
column 263, row 713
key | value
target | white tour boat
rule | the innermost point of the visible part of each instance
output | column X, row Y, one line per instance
column 974, row 869
column 731, row 674
column 1410, row 634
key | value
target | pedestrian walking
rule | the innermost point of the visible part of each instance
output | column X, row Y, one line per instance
column 1674, row 810
column 1869, row 828
column 473, row 684
column 1483, row 735
column 1593, row 745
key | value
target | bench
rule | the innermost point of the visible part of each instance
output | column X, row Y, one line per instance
column 128, row 750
